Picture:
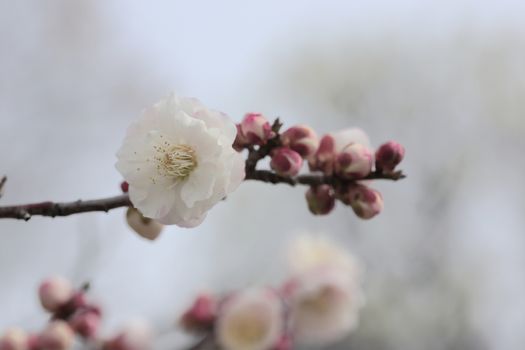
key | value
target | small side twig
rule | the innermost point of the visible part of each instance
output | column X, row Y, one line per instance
column 3, row 180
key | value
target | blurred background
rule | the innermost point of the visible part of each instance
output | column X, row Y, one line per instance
column 444, row 262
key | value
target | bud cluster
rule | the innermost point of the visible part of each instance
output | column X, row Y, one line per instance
column 72, row 314
column 316, row 305
column 345, row 158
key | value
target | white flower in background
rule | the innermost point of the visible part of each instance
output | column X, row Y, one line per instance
column 324, row 294
column 307, row 252
column 179, row 161
column 251, row 319
column 14, row 339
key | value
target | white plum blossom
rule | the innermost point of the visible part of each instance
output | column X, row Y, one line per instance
column 324, row 293
column 179, row 161
column 251, row 319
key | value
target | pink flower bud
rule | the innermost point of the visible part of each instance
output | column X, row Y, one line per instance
column 321, row 199
column 124, row 186
column 324, row 157
column 365, row 202
column 201, row 315
column 241, row 141
column 256, row 129
column 14, row 339
column 54, row 293
column 58, row 335
column 388, row 156
column 302, row 139
column 354, row 161
column 286, row 162
column 145, row 227
column 86, row 323
column 135, row 336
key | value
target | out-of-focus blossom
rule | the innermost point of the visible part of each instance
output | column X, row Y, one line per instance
column 137, row 335
column 55, row 292
column 179, row 161
column 302, row 139
column 388, row 156
column 286, row 162
column 354, row 161
column 201, row 315
column 58, row 335
column 145, row 227
column 251, row 319
column 324, row 305
column 255, row 129
column 14, row 339
column 320, row 199
column 307, row 252
column 365, row 201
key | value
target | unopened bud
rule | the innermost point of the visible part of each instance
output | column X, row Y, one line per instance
column 124, row 186
column 86, row 323
column 355, row 161
column 302, row 139
column 286, row 162
column 14, row 339
column 388, row 156
column 365, row 202
column 324, row 157
column 135, row 336
column 256, row 129
column 54, row 293
column 241, row 141
column 145, row 227
column 321, row 199
column 58, row 335
column 201, row 315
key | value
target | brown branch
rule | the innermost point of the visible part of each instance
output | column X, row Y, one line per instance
column 52, row 209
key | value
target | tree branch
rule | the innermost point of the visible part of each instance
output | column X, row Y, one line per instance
column 52, row 209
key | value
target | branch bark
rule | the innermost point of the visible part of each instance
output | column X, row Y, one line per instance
column 52, row 209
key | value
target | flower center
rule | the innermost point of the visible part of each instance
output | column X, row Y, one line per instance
column 175, row 161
